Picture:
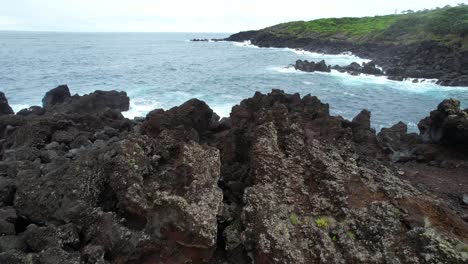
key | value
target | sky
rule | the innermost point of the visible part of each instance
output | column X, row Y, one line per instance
column 187, row 15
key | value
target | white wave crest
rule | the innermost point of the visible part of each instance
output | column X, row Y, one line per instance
column 139, row 108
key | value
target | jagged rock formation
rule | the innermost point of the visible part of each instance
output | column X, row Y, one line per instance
column 5, row 108
column 311, row 66
column 280, row 181
column 353, row 68
column 447, row 124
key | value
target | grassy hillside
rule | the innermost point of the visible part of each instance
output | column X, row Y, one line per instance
column 448, row 25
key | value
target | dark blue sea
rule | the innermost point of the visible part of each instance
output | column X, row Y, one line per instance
column 162, row 70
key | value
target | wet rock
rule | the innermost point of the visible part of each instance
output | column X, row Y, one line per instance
column 321, row 66
column 311, row 66
column 55, row 96
column 447, row 124
column 370, row 68
column 305, row 66
column 398, row 143
column 96, row 102
column 193, row 114
column 5, row 108
column 33, row 110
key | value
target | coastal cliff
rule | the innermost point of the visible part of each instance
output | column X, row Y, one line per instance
column 430, row 44
column 279, row 181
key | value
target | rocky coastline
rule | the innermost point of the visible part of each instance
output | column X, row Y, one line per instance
column 354, row 68
column 279, row 181
column 425, row 60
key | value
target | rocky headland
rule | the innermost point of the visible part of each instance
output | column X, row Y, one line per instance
column 279, row 181
column 429, row 44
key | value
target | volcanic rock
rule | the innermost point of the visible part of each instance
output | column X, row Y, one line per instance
column 5, row 108
column 447, row 124
column 280, row 181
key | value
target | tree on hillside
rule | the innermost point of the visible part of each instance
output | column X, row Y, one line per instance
column 462, row 28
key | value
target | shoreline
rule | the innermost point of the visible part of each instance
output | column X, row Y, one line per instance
column 404, row 61
column 301, row 51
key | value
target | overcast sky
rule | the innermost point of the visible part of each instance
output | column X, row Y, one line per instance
column 187, row 15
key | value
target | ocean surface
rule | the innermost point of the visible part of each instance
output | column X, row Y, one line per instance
column 163, row 70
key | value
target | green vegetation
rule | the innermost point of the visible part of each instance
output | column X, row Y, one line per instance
column 294, row 219
column 350, row 235
column 462, row 247
column 448, row 25
column 322, row 222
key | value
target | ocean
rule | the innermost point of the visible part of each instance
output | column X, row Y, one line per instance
column 163, row 70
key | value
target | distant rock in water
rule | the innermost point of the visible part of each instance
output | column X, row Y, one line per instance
column 279, row 181
column 200, row 40
column 5, row 108
column 311, row 66
column 353, row 68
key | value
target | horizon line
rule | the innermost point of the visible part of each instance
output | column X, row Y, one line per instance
column 66, row 31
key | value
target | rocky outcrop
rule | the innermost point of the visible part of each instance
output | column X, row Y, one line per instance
column 59, row 100
column 56, row 96
column 74, row 189
column 307, row 66
column 5, row 108
column 447, row 124
column 279, row 181
column 353, row 68
column 194, row 115
column 356, row 69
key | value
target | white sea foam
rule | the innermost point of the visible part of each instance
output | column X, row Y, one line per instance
column 222, row 110
column 18, row 107
column 139, row 108
column 246, row 44
column 422, row 86
column 288, row 69
column 344, row 57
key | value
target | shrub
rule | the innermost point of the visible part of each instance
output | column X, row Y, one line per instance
column 322, row 222
column 294, row 219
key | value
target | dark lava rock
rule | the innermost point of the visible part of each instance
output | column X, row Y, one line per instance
column 98, row 101
column 305, row 66
column 33, row 110
column 370, row 68
column 321, row 66
column 295, row 177
column 447, row 124
column 193, row 114
column 5, row 108
column 199, row 40
column 398, row 143
column 355, row 69
column 280, row 181
column 311, row 66
column 56, row 96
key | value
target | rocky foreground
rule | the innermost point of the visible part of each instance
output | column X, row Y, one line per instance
column 280, row 181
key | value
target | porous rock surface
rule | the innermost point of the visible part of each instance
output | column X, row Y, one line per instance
column 280, row 181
